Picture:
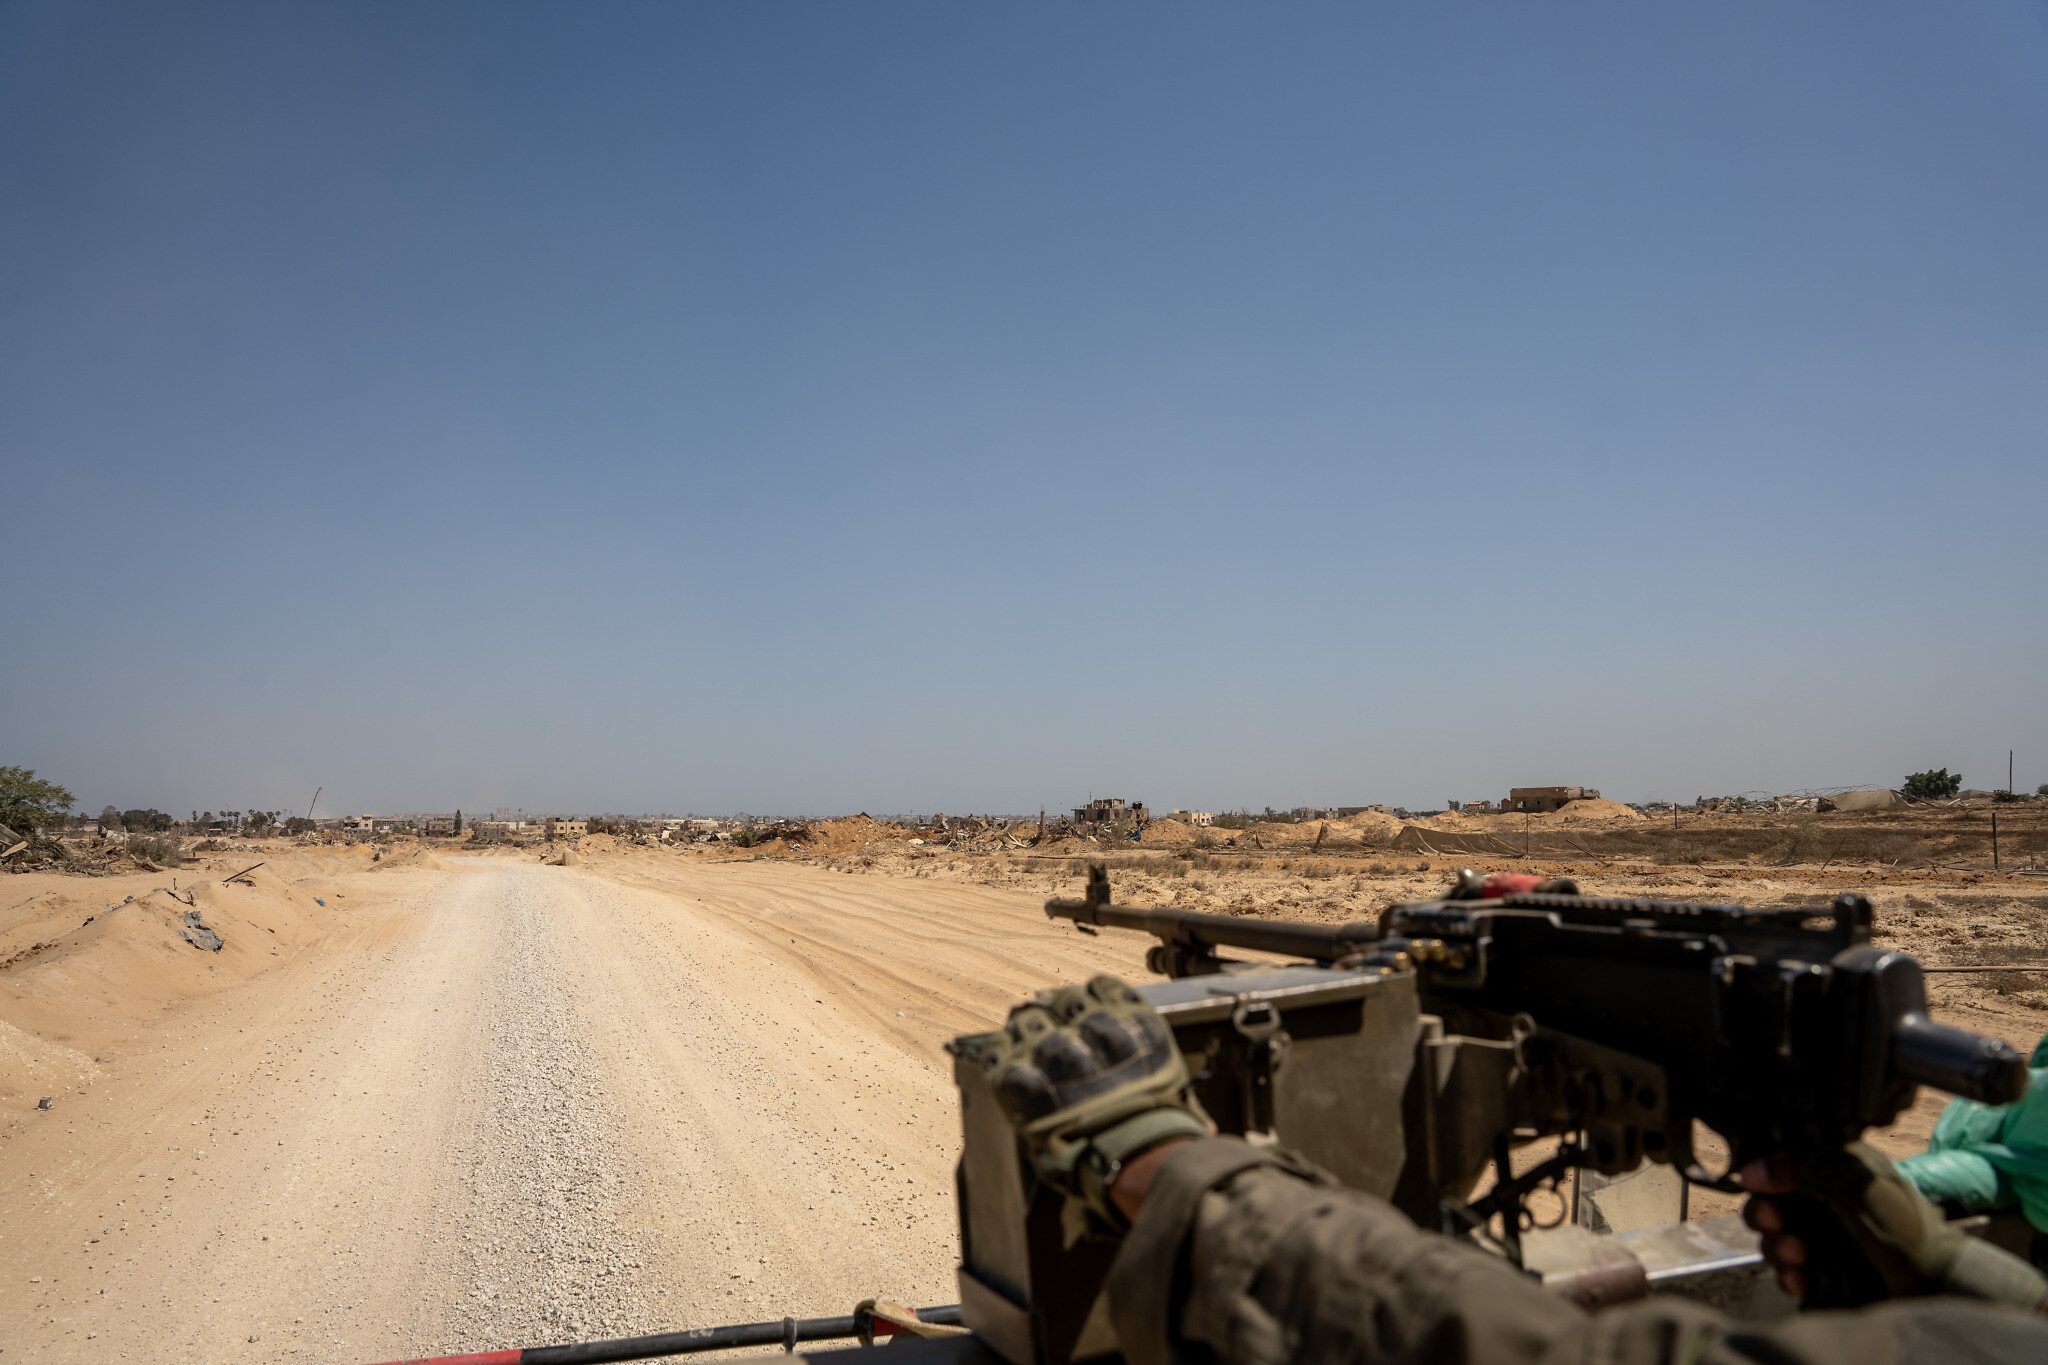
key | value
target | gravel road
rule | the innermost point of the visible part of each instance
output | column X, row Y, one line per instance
column 530, row 1104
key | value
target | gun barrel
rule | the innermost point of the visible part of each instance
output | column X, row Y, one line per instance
column 1194, row 929
column 1989, row 1070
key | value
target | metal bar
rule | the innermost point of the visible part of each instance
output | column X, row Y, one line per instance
column 1993, row 967
column 787, row 1333
column 1193, row 928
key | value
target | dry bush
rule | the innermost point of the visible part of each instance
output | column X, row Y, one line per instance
column 161, row 849
column 1694, row 851
column 1799, row 842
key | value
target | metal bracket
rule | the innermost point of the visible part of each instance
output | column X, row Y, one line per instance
column 1258, row 1023
column 1509, row 1198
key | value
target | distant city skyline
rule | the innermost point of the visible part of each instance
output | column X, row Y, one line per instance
column 906, row 406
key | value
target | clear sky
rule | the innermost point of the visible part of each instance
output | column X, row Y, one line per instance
column 818, row 407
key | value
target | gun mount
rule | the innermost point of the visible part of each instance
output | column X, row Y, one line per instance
column 1409, row 1055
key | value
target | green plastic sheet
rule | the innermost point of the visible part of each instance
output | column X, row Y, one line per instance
column 1988, row 1158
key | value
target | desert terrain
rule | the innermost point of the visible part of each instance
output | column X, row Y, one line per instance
column 430, row 1098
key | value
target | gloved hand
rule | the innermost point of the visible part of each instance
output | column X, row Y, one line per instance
column 1091, row 1078
column 1847, row 1229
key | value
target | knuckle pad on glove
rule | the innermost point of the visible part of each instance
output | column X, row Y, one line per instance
column 1152, row 1031
column 1026, row 1093
column 1112, row 1038
column 1111, row 990
column 1068, row 1004
column 1063, row 1057
column 1028, row 1022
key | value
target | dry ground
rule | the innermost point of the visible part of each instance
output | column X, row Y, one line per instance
column 475, row 1101
column 497, row 1103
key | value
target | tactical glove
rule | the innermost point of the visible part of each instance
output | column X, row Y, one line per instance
column 1875, row 1236
column 1090, row 1077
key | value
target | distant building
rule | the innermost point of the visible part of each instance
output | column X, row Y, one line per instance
column 1109, row 810
column 1201, row 819
column 439, row 825
column 362, row 826
column 567, row 829
column 1536, row 800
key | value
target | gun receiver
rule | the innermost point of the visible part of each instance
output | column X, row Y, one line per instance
column 1781, row 1029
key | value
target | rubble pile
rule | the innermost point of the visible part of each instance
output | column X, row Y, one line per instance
column 981, row 833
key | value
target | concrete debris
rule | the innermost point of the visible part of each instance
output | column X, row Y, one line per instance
column 981, row 833
column 46, row 1102
column 195, row 932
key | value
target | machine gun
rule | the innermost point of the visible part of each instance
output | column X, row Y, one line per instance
column 1406, row 1056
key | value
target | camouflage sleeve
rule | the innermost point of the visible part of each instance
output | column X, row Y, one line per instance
column 1261, row 1261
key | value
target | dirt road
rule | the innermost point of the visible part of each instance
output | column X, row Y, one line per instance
column 529, row 1103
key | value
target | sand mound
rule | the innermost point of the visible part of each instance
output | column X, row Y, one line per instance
column 31, row 1068
column 1368, row 826
column 84, row 962
column 1276, row 834
column 415, row 859
column 1597, row 811
column 854, row 833
column 1167, row 834
column 1455, row 821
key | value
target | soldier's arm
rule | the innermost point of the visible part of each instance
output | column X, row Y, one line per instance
column 1239, row 1251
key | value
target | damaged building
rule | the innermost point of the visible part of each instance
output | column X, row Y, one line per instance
column 1111, row 810
column 1536, row 800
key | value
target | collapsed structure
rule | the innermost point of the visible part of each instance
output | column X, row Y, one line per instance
column 1537, row 800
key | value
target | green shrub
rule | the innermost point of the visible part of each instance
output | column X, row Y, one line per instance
column 1936, row 784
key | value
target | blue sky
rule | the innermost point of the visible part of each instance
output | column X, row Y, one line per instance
column 810, row 408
